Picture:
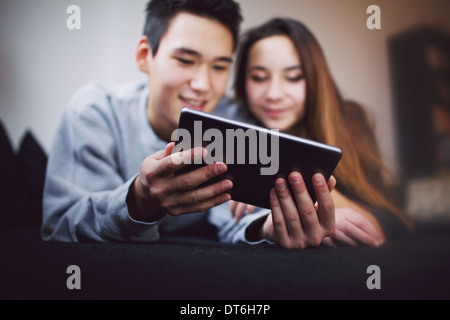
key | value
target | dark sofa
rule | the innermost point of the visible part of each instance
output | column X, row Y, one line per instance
column 412, row 265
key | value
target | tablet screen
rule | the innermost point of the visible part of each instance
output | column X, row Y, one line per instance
column 255, row 156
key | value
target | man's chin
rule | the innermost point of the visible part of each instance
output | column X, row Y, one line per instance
column 203, row 108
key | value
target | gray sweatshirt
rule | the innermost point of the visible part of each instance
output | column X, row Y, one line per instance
column 101, row 141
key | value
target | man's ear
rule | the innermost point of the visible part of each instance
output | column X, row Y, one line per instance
column 143, row 54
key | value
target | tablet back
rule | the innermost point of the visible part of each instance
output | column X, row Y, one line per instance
column 255, row 156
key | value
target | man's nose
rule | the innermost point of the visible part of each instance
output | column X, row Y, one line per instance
column 201, row 81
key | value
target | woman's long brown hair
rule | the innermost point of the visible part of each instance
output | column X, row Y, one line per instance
column 361, row 173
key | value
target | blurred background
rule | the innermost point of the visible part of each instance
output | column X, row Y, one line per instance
column 399, row 73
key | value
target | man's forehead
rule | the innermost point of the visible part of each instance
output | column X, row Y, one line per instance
column 201, row 35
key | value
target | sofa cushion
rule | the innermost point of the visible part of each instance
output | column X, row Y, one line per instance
column 32, row 163
column 9, row 182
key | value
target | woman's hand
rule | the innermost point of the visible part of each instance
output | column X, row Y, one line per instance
column 239, row 209
column 300, row 224
column 352, row 229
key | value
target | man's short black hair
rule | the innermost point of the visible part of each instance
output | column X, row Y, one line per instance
column 160, row 13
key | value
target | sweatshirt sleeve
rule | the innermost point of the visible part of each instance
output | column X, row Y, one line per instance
column 229, row 230
column 85, row 191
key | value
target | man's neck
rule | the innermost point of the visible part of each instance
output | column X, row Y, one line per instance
column 160, row 125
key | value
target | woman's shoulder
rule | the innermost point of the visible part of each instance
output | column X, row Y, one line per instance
column 230, row 109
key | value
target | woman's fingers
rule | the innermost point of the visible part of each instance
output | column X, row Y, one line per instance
column 296, row 223
column 233, row 204
column 239, row 209
column 342, row 238
column 354, row 229
column 305, row 207
column 365, row 225
column 289, row 208
column 360, row 228
column 331, row 183
column 326, row 211
column 328, row 241
column 279, row 225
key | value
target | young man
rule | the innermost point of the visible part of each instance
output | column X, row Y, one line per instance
column 110, row 174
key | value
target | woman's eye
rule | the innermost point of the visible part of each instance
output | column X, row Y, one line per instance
column 295, row 79
column 258, row 79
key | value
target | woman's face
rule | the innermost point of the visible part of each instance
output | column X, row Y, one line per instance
column 275, row 84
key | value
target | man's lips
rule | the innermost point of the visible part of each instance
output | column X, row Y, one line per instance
column 193, row 103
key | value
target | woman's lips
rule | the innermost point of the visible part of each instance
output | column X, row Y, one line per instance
column 274, row 113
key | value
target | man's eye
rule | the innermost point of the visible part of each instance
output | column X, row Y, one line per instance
column 220, row 68
column 185, row 61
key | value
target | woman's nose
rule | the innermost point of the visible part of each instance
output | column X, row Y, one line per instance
column 275, row 90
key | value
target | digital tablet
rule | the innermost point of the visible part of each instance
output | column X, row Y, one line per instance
column 255, row 156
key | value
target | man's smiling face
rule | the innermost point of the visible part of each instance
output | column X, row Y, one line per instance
column 190, row 69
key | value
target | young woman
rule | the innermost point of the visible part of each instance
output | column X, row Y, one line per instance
column 283, row 81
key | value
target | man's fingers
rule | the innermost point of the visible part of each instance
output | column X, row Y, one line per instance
column 161, row 154
column 202, row 206
column 179, row 160
column 169, row 148
column 194, row 178
column 200, row 195
column 172, row 162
